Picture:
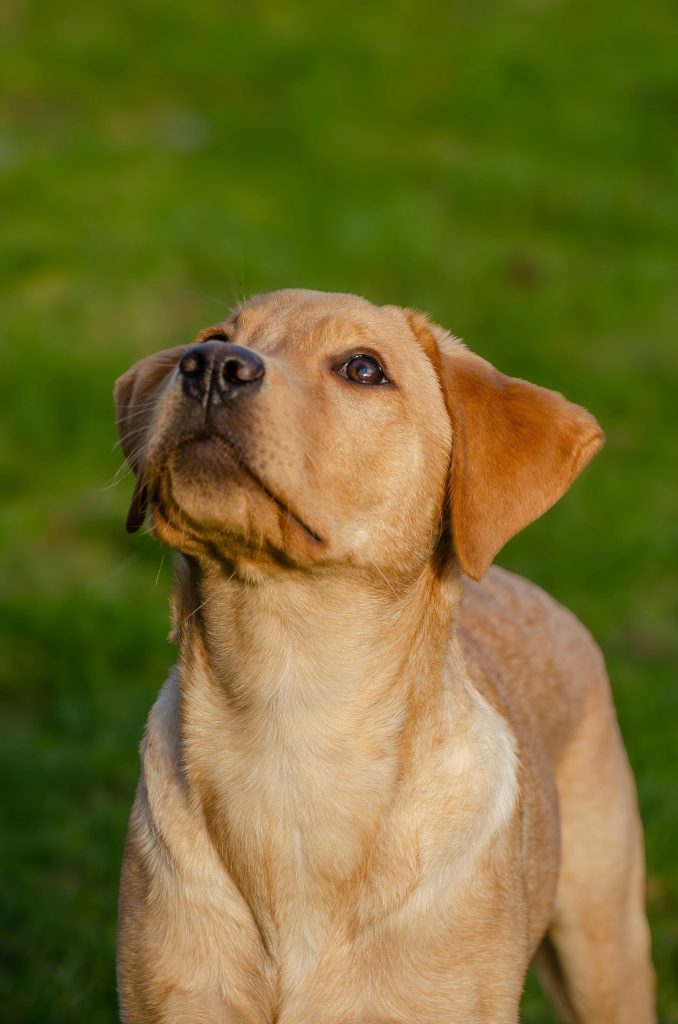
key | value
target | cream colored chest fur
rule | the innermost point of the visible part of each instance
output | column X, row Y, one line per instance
column 328, row 897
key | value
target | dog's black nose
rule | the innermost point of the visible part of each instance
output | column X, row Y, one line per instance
column 218, row 371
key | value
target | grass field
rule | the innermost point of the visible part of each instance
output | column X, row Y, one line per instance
column 509, row 167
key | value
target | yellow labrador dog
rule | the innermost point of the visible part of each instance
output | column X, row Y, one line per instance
column 372, row 790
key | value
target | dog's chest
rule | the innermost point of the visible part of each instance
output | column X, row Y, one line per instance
column 344, row 951
column 344, row 874
column 349, row 897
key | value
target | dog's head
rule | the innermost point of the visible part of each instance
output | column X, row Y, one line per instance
column 311, row 429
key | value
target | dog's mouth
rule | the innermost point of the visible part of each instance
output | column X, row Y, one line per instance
column 207, row 458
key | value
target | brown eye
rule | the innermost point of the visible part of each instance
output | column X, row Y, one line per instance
column 363, row 370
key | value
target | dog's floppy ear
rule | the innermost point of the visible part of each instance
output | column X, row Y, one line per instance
column 516, row 448
column 135, row 394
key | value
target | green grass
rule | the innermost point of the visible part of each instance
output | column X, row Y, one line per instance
column 509, row 167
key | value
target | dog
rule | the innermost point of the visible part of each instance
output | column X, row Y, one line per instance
column 383, row 776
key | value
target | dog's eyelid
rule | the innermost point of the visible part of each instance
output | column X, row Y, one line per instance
column 340, row 364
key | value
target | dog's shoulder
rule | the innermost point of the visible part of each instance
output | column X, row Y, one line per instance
column 532, row 654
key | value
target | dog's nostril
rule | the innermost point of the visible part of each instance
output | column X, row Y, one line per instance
column 243, row 368
column 192, row 364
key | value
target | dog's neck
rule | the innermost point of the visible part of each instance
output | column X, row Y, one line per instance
column 304, row 701
column 291, row 650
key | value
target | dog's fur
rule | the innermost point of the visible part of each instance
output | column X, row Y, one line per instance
column 372, row 790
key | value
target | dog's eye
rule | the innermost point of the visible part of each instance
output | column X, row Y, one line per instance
column 363, row 369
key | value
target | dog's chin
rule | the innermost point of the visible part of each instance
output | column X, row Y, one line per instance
column 204, row 496
column 208, row 486
column 208, row 502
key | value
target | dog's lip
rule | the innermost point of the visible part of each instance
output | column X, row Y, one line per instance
column 283, row 504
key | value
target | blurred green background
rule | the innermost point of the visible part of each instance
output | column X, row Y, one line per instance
column 509, row 167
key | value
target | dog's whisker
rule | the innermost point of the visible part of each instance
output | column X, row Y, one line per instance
column 385, row 578
column 120, row 474
column 162, row 562
column 136, row 433
column 132, row 411
column 146, row 531
column 211, row 298
column 210, row 597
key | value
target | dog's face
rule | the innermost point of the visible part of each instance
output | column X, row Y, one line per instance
column 305, row 426
column 314, row 429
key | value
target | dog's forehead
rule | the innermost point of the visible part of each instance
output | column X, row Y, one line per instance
column 307, row 321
